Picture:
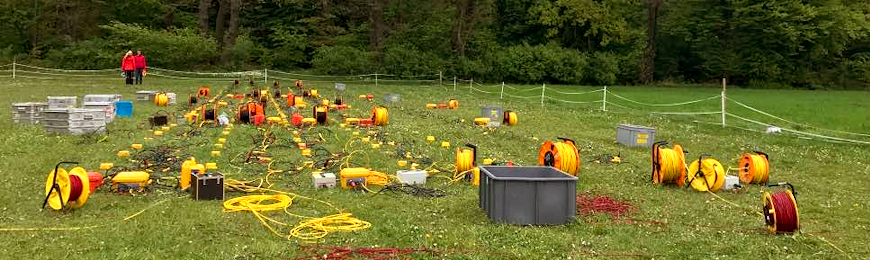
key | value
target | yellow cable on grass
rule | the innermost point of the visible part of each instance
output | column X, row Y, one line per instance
column 669, row 164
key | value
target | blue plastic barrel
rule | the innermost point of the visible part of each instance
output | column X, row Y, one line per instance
column 124, row 108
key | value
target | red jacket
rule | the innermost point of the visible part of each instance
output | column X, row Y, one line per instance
column 128, row 63
column 140, row 62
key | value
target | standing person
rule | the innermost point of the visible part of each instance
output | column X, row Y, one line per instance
column 141, row 67
column 128, row 65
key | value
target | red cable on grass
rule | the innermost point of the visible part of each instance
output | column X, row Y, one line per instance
column 602, row 204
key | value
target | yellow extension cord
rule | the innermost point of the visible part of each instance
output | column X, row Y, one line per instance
column 706, row 175
column 755, row 168
column 570, row 161
column 310, row 229
column 379, row 116
column 673, row 167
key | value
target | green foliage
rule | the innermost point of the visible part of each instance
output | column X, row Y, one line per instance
column 343, row 60
column 95, row 53
column 550, row 63
column 604, row 67
column 407, row 60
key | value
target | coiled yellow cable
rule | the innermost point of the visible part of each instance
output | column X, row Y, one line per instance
column 755, row 168
column 706, row 174
column 510, row 118
column 669, row 164
column 379, row 116
column 561, row 155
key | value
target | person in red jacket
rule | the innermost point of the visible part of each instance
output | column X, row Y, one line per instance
column 128, row 65
column 141, row 67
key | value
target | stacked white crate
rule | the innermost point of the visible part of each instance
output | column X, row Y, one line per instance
column 27, row 113
column 74, row 121
column 105, row 102
column 55, row 103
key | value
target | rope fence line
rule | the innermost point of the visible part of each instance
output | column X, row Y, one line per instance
column 792, row 122
column 666, row 104
column 799, row 132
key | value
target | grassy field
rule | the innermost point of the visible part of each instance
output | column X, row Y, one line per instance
column 830, row 178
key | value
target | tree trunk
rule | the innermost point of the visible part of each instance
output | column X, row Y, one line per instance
column 169, row 18
column 458, row 44
column 648, row 65
column 232, row 31
column 219, row 28
column 378, row 30
column 203, row 16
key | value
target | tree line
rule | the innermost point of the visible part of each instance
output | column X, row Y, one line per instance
column 779, row 43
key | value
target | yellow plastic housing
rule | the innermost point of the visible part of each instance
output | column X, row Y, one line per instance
column 352, row 173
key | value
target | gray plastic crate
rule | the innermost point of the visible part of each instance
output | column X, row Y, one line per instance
column 633, row 135
column 108, row 107
column 527, row 195
column 145, row 95
column 73, row 114
column 61, row 102
column 90, row 98
column 27, row 113
column 494, row 113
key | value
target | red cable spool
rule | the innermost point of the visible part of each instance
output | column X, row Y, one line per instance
column 259, row 119
column 296, row 119
column 76, row 187
column 780, row 211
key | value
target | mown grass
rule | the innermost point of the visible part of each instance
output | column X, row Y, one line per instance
column 831, row 179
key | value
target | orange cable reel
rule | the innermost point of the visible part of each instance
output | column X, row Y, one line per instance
column 562, row 155
column 754, row 168
column 668, row 164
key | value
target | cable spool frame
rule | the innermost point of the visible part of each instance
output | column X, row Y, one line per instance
column 320, row 113
column 717, row 182
column 552, row 155
column 749, row 168
column 777, row 219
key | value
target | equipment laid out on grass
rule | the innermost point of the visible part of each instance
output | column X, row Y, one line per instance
column 668, row 164
column 633, row 135
column 320, row 113
column 392, row 99
column 706, row 174
column 510, row 118
column 780, row 210
column 203, row 92
column 754, row 168
column 495, row 114
column 160, row 118
column 412, row 177
column 368, row 97
column 527, row 195
column 355, row 178
column 74, row 121
column 466, row 165
column 130, row 181
column 55, row 103
column 66, row 190
column 452, row 103
column 562, row 155
column 481, row 121
column 251, row 113
column 379, row 116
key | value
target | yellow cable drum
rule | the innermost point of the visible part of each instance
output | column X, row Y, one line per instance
column 453, row 103
column 510, row 118
column 562, row 155
column 379, row 116
column 466, row 164
column 66, row 190
column 754, row 168
column 706, row 174
column 668, row 164
column 161, row 99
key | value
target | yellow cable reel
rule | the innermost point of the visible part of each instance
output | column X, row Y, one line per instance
column 668, row 164
column 320, row 113
column 66, row 190
column 562, row 155
column 754, row 168
column 510, row 118
column 161, row 99
column 706, row 174
column 379, row 116
column 466, row 164
column 453, row 103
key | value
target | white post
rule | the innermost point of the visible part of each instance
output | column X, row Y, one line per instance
column 266, row 76
column 14, row 59
column 376, row 80
column 723, row 102
column 471, row 86
column 543, row 88
column 501, row 96
column 454, row 83
column 440, row 79
column 604, row 100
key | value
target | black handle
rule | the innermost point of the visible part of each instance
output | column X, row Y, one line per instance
column 763, row 154
column 790, row 187
column 55, row 187
column 473, row 153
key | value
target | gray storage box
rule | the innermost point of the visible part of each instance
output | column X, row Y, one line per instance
column 27, row 113
column 527, row 195
column 494, row 113
column 74, row 121
column 145, row 95
column 61, row 102
column 633, row 135
column 108, row 107
column 90, row 98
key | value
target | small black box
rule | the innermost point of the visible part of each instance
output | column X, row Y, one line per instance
column 208, row 187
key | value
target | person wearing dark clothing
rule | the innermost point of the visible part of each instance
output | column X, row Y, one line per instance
column 141, row 67
column 128, row 65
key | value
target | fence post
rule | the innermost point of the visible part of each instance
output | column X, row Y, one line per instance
column 723, row 102
column 543, row 88
column 14, row 59
column 266, row 76
column 440, row 79
column 454, row 83
column 376, row 80
column 604, row 100
column 471, row 86
column 501, row 96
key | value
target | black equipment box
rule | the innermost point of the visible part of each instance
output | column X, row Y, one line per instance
column 208, row 187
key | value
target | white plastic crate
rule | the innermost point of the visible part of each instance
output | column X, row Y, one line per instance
column 61, row 102
column 27, row 113
column 108, row 107
column 145, row 95
column 90, row 98
column 172, row 98
column 27, row 120
column 73, row 114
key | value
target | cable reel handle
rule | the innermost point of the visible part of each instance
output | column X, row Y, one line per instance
column 54, row 183
column 762, row 154
column 473, row 152
column 567, row 140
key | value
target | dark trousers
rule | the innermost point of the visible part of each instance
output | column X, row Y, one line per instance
column 139, row 76
column 128, row 75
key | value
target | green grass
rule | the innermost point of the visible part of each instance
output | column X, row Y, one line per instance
column 831, row 179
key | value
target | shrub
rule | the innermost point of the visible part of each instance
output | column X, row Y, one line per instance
column 534, row 64
column 342, row 60
column 603, row 68
column 407, row 60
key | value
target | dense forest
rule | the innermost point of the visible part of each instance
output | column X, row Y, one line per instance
column 787, row 43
